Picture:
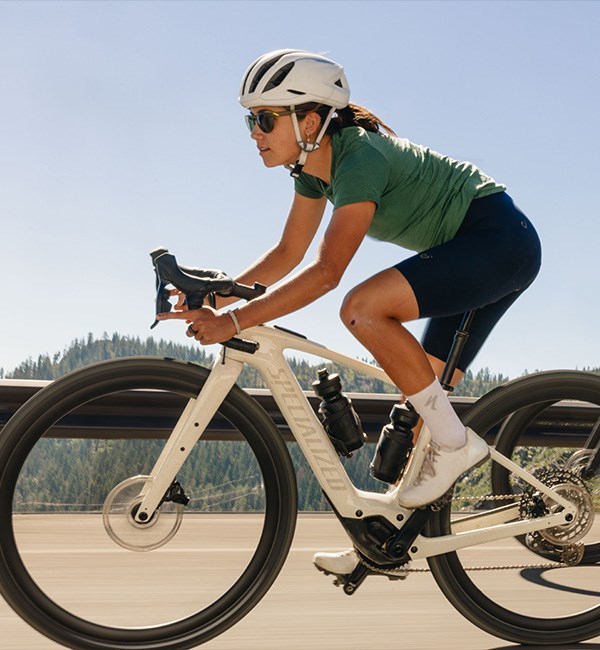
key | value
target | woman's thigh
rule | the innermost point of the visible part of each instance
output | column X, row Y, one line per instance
column 495, row 253
column 493, row 258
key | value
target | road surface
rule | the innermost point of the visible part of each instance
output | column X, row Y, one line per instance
column 303, row 611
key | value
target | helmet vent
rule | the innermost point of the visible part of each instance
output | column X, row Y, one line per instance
column 279, row 76
column 295, row 92
column 260, row 73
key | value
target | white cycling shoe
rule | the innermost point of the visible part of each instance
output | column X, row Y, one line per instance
column 344, row 563
column 441, row 469
column 340, row 564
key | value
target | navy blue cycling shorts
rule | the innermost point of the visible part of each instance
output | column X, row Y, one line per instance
column 492, row 259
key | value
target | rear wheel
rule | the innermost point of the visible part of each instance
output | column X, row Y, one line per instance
column 539, row 589
column 76, row 565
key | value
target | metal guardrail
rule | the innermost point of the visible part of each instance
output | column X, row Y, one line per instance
column 151, row 414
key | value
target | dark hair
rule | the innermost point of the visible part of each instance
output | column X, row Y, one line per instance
column 351, row 115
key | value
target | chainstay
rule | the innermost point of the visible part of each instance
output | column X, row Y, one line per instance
column 402, row 571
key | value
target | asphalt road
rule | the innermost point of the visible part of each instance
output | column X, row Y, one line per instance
column 303, row 610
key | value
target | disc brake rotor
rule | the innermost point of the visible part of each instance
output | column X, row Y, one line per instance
column 118, row 514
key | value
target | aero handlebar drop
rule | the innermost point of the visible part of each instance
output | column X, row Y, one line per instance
column 197, row 284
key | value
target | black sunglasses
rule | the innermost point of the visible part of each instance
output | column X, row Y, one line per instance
column 265, row 120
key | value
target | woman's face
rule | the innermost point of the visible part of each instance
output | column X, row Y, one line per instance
column 279, row 147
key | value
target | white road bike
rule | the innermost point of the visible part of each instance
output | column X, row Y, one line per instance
column 109, row 509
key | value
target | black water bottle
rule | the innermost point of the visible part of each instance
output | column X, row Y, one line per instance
column 337, row 415
column 395, row 444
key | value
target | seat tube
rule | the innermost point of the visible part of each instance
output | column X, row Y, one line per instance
column 460, row 339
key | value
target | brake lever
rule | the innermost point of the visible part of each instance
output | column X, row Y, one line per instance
column 162, row 298
column 185, row 279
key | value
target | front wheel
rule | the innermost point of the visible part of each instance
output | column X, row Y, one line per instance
column 539, row 589
column 74, row 562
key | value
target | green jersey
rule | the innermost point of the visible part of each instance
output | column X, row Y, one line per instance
column 421, row 196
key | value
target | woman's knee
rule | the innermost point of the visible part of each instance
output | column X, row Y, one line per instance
column 386, row 295
column 354, row 308
column 362, row 309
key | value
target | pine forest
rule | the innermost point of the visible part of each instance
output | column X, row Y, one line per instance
column 66, row 474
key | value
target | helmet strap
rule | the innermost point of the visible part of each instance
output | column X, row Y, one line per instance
column 306, row 147
column 296, row 170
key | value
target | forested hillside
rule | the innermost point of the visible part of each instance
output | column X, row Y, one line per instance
column 81, row 352
column 74, row 473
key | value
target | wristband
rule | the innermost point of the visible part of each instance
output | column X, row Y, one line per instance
column 238, row 329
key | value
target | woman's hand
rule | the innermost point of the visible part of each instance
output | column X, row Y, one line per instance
column 180, row 299
column 206, row 324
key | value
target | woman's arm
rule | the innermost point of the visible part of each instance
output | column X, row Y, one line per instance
column 346, row 231
column 300, row 228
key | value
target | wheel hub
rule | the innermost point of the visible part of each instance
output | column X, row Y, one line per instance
column 120, row 508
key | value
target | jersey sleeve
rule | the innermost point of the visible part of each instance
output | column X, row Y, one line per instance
column 362, row 175
column 308, row 186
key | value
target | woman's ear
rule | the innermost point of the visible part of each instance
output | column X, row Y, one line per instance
column 312, row 122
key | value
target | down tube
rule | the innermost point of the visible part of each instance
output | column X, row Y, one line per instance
column 311, row 437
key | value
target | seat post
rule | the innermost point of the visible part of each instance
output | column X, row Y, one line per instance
column 460, row 338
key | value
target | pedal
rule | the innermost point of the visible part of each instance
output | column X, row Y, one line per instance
column 350, row 582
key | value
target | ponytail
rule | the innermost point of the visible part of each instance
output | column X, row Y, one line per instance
column 351, row 115
column 354, row 115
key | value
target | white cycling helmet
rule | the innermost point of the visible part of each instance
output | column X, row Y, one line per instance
column 291, row 78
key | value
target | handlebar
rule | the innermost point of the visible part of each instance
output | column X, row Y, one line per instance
column 198, row 284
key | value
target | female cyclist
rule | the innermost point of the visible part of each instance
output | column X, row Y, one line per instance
column 475, row 248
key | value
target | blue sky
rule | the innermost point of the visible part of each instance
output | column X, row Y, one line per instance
column 120, row 130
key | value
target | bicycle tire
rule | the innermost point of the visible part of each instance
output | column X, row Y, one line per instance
column 465, row 593
column 274, row 528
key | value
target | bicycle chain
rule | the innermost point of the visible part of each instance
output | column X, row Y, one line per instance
column 572, row 553
column 402, row 573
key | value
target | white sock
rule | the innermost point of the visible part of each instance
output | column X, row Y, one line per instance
column 433, row 405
